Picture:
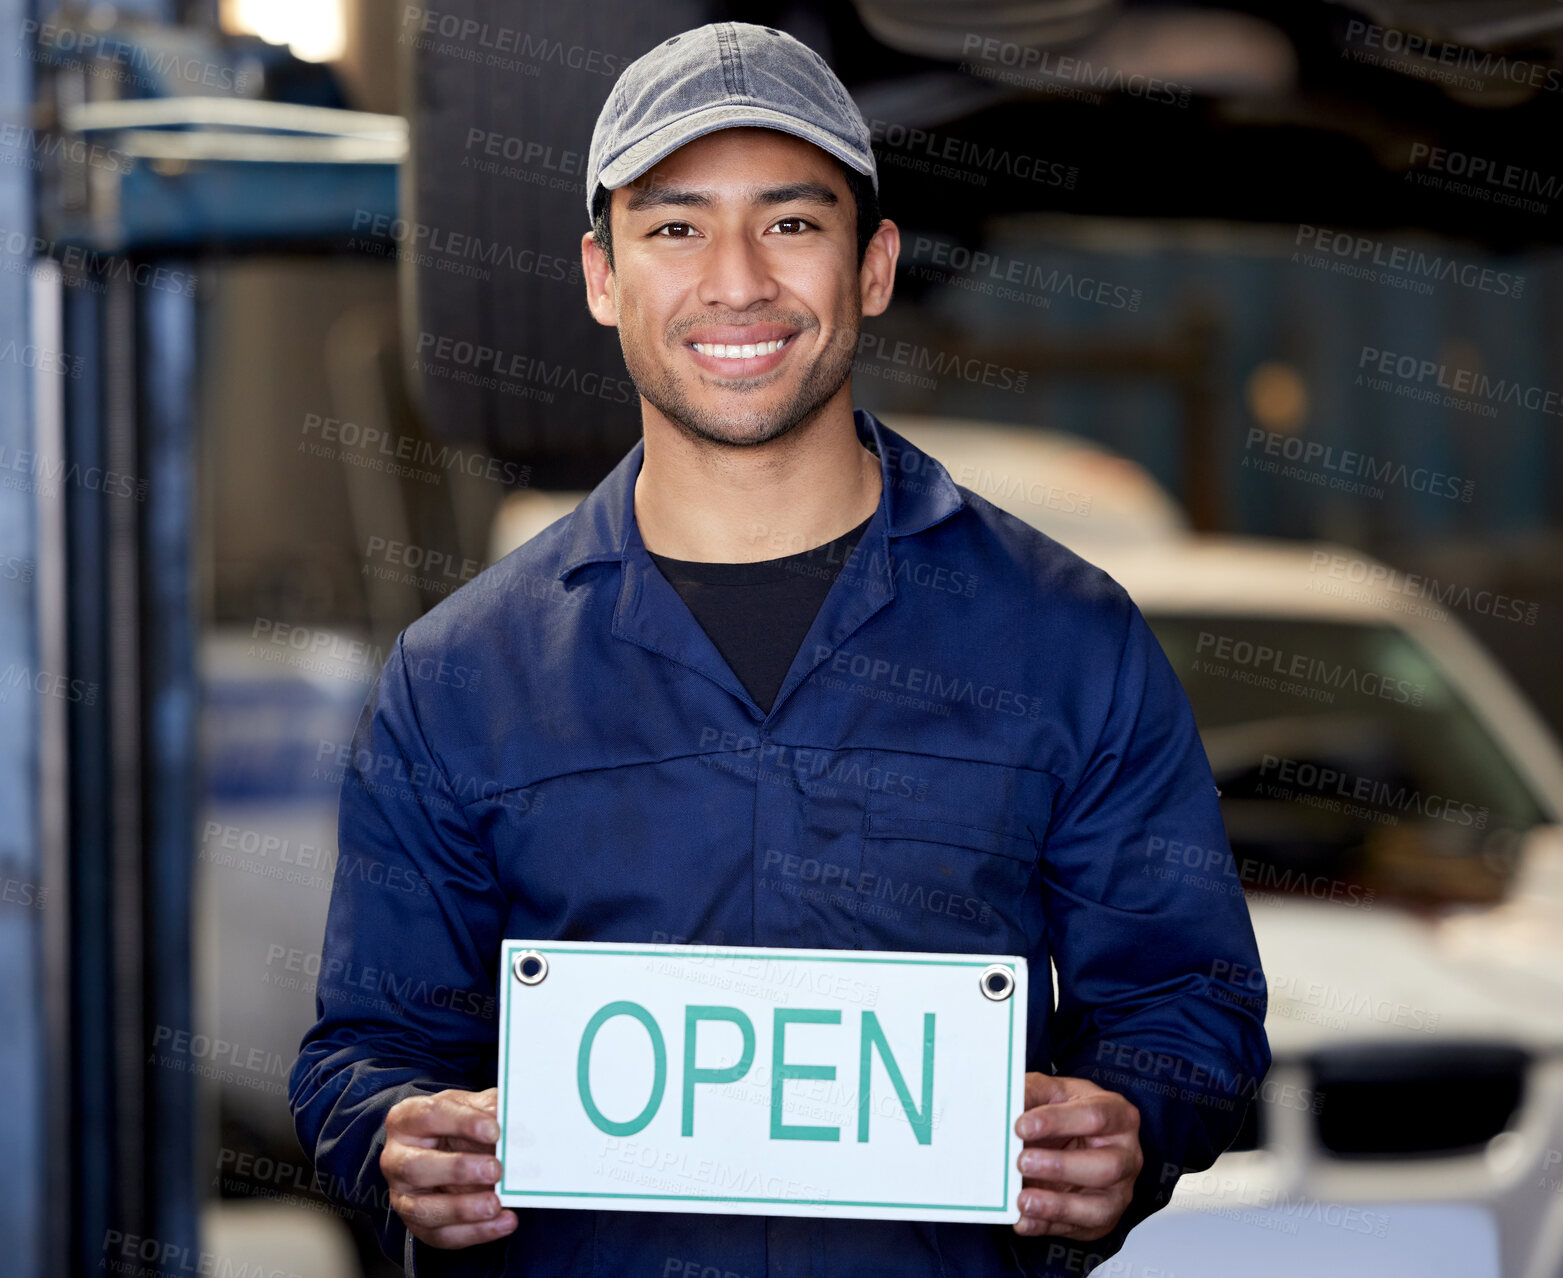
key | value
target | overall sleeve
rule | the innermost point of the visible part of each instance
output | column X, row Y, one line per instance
column 1160, row 994
column 405, row 1001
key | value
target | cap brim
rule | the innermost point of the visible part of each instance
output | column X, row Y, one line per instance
column 649, row 151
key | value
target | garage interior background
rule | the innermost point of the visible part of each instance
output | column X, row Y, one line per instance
column 1273, row 294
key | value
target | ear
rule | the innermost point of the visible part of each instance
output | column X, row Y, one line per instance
column 876, row 281
column 601, row 288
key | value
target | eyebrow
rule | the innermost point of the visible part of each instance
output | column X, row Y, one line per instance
column 792, row 193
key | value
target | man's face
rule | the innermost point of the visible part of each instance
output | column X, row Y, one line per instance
column 734, row 240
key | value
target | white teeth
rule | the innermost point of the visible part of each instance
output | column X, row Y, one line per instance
column 747, row 351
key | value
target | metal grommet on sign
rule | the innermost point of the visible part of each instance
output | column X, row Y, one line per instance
column 997, row 982
column 530, row 967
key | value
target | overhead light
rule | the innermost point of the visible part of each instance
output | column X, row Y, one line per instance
column 1277, row 397
column 314, row 30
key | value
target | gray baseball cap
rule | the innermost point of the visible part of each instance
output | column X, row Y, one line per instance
column 722, row 76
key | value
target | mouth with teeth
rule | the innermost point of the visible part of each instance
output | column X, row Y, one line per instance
column 741, row 359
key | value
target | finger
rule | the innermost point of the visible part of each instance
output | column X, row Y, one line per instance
column 1033, row 1182
column 1098, row 1168
column 413, row 1167
column 1101, row 1115
column 1045, row 1211
column 461, row 1145
column 429, row 1211
column 449, row 1237
column 1045, row 1089
column 1065, row 1142
column 426, row 1118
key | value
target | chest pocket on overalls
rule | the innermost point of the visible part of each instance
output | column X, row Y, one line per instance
column 956, row 869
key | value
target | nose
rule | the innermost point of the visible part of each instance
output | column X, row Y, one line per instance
column 736, row 273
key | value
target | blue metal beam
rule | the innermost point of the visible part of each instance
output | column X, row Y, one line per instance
column 23, row 1045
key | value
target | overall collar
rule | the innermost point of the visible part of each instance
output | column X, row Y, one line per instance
column 916, row 493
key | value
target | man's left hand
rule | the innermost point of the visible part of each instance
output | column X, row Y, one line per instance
column 1081, row 1155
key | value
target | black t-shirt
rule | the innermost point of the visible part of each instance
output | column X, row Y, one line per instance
column 757, row 614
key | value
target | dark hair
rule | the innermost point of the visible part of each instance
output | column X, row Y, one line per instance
column 863, row 196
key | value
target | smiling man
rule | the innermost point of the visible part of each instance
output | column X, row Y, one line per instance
column 968, row 730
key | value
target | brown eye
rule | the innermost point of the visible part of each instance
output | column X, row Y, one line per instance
column 801, row 223
column 668, row 226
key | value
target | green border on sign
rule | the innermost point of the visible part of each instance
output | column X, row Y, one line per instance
column 511, row 947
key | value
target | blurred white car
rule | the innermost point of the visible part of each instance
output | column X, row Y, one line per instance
column 1392, row 804
column 1075, row 490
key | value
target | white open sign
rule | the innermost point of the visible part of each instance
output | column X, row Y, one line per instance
column 784, row 1082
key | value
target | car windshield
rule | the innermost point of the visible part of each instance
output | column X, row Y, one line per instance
column 1348, row 765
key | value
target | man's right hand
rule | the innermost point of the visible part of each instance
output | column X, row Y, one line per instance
column 439, row 1163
